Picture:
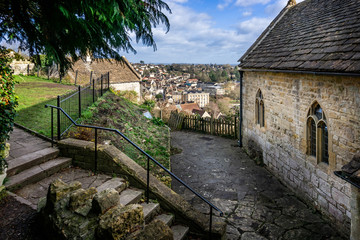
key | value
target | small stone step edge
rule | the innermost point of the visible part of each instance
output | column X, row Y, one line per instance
column 166, row 218
column 37, row 173
column 179, row 232
column 27, row 161
column 135, row 196
column 150, row 210
column 116, row 183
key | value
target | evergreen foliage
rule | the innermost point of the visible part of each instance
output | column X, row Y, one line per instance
column 62, row 29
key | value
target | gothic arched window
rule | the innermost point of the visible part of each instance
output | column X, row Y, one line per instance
column 259, row 109
column 317, row 134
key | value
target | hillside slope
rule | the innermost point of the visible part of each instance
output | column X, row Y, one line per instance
column 116, row 112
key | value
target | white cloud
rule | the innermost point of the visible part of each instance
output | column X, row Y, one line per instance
column 224, row 4
column 194, row 38
column 247, row 13
column 254, row 26
column 245, row 3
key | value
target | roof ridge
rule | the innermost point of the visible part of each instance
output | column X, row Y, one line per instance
column 131, row 67
column 266, row 31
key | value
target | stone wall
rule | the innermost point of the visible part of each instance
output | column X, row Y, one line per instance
column 128, row 86
column 23, row 67
column 282, row 142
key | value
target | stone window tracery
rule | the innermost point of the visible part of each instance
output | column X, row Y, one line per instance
column 259, row 109
column 317, row 134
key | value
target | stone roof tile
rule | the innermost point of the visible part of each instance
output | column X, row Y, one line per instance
column 314, row 35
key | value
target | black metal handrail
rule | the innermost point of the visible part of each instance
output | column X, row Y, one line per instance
column 143, row 152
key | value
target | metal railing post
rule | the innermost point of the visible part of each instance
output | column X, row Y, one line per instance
column 52, row 127
column 58, row 118
column 96, row 153
column 148, row 180
column 79, row 101
column 210, row 226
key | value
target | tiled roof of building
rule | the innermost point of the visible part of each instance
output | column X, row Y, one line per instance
column 314, row 35
column 189, row 107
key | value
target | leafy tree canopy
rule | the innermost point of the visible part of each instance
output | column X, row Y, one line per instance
column 73, row 28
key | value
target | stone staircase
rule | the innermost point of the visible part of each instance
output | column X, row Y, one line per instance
column 151, row 210
column 33, row 167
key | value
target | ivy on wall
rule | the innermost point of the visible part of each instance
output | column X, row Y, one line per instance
column 8, row 102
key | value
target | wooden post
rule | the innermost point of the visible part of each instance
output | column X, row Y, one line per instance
column 91, row 73
column 76, row 76
column 235, row 126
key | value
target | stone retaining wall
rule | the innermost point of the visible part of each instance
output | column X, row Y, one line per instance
column 282, row 142
column 111, row 160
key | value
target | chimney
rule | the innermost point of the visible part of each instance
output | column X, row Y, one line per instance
column 291, row 3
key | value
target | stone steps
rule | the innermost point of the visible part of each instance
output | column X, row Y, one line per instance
column 151, row 210
column 37, row 173
column 130, row 196
column 30, row 160
column 117, row 183
column 168, row 219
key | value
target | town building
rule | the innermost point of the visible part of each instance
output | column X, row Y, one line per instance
column 300, row 86
column 201, row 98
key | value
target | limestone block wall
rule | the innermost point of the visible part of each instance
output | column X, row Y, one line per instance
column 22, row 67
column 283, row 139
column 128, row 86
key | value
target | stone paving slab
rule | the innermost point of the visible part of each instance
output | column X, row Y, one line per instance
column 255, row 203
column 22, row 143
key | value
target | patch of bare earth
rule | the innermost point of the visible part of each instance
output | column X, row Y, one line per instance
column 18, row 221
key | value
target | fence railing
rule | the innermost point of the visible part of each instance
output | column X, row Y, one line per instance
column 75, row 103
column 96, row 129
column 219, row 127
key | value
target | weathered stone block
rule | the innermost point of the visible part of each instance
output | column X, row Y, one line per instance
column 340, row 198
column 105, row 200
column 156, row 230
column 81, row 201
column 58, row 190
column 118, row 222
column 325, row 187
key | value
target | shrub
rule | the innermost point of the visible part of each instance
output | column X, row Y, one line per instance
column 148, row 104
column 8, row 102
column 157, row 121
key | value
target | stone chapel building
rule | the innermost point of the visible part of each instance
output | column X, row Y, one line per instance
column 301, row 100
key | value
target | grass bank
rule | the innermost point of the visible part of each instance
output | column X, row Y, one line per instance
column 152, row 136
column 34, row 93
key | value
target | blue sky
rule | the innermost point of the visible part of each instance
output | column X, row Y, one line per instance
column 209, row 31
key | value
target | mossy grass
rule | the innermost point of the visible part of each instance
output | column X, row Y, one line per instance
column 34, row 93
